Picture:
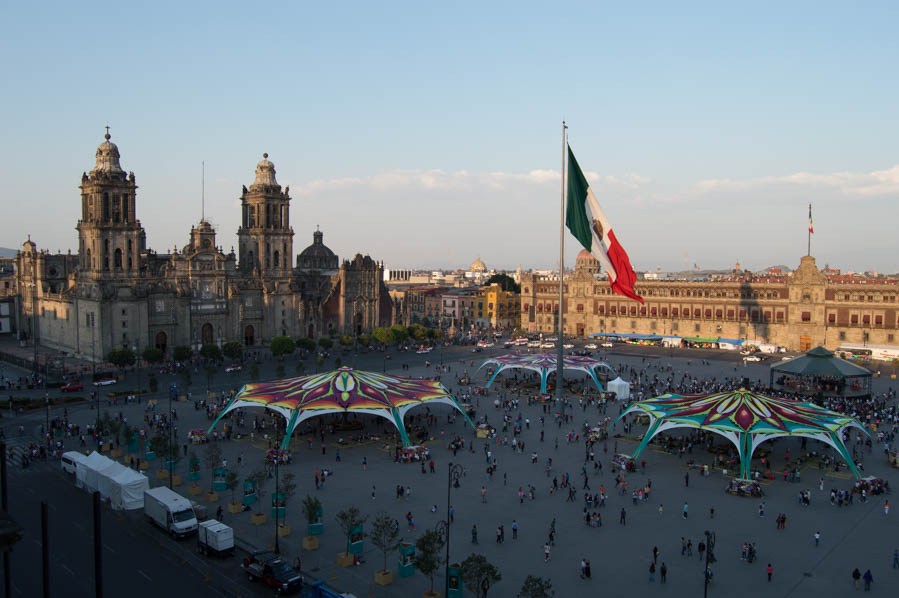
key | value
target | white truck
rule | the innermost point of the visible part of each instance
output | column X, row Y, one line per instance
column 170, row 511
column 214, row 537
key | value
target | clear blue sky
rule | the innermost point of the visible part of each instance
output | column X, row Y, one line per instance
column 427, row 134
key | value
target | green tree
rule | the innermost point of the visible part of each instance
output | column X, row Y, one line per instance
column 364, row 340
column 346, row 340
column 536, row 587
column 348, row 519
column 427, row 555
column 312, row 509
column 506, row 282
column 418, row 332
column 282, row 345
column 478, row 574
column 325, row 343
column 306, row 344
column 400, row 333
column 121, row 358
column 259, row 478
column 182, row 353
column 212, row 459
column 384, row 535
column 232, row 350
column 288, row 488
column 231, row 483
column 211, row 351
column 384, row 336
column 153, row 355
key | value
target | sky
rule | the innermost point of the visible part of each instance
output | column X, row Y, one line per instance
column 428, row 134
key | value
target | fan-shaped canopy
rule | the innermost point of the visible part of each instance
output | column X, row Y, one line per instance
column 545, row 364
column 746, row 419
column 340, row 391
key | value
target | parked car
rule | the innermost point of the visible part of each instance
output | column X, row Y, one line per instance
column 105, row 382
column 568, row 346
column 608, row 345
column 752, row 358
column 476, row 350
column 234, row 367
column 72, row 386
column 273, row 571
column 590, row 346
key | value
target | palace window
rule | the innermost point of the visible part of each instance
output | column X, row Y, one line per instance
column 719, row 313
column 806, row 316
column 866, row 320
column 842, row 335
column 643, row 311
column 696, row 313
column 664, row 312
column 673, row 312
column 580, row 307
column 853, row 319
column 831, row 318
column 878, row 320
column 652, row 311
column 730, row 314
column 708, row 313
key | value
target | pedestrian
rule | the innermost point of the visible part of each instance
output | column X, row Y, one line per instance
column 687, row 479
column 896, row 558
column 869, row 579
column 337, row 454
column 372, row 491
column 623, row 518
column 817, row 538
column 770, row 571
column 364, row 463
column 219, row 513
column 474, row 534
column 856, row 575
column 587, row 569
column 546, row 552
column 712, row 513
column 483, row 494
column 761, row 509
column 655, row 554
column 652, row 572
column 663, row 573
column 686, row 509
column 514, row 530
column 886, row 507
column 661, row 509
column 583, row 569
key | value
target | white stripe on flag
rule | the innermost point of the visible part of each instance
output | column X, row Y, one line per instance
column 600, row 248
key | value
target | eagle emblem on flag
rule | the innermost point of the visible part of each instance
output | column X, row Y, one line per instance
column 597, row 228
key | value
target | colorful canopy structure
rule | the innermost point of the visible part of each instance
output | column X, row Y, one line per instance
column 746, row 419
column 342, row 391
column 820, row 372
column 545, row 364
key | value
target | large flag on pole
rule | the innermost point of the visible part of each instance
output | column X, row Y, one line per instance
column 589, row 225
column 810, row 229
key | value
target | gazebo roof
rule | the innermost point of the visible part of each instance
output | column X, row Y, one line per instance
column 545, row 364
column 820, row 362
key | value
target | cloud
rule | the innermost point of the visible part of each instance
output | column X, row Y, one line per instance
column 852, row 184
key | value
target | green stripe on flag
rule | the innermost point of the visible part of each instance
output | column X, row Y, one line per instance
column 577, row 220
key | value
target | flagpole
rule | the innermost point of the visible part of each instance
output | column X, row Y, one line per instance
column 561, row 326
column 809, row 230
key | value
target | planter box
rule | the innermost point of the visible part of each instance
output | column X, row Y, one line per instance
column 431, row 595
column 345, row 559
column 235, row 508
column 383, row 578
column 115, row 453
column 283, row 530
column 315, row 529
column 212, row 497
column 176, row 480
column 162, row 474
column 258, row 519
column 194, row 490
column 310, row 543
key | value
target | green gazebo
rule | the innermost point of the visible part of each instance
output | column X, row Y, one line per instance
column 821, row 373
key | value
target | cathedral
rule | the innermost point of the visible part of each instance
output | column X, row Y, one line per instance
column 118, row 293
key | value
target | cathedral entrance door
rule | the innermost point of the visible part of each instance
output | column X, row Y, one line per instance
column 161, row 340
column 580, row 330
column 805, row 343
column 207, row 334
column 248, row 337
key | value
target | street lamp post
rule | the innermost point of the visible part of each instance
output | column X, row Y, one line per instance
column 277, row 484
column 453, row 475
column 136, row 366
column 169, row 464
column 94, row 372
column 709, row 558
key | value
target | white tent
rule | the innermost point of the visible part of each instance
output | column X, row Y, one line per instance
column 621, row 388
column 123, row 487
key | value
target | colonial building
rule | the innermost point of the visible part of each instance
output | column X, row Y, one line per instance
column 797, row 311
column 118, row 293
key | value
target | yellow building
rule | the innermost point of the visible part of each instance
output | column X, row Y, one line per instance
column 496, row 308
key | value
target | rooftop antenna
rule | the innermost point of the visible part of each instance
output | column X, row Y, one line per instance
column 203, row 192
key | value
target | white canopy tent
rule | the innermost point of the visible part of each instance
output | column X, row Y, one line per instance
column 621, row 388
column 123, row 486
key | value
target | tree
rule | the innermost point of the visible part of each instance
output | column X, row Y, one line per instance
column 258, row 478
column 282, row 345
column 479, row 574
column 384, row 534
column 427, row 555
column 153, row 355
column 182, row 353
column 312, row 509
column 288, row 488
column 383, row 335
column 121, row 358
column 231, row 483
column 348, row 519
column 300, row 367
column 418, row 332
column 536, row 587
column 211, row 351
column 306, row 344
column 346, row 340
column 399, row 333
column 364, row 340
column 506, row 282
column 232, row 350
column 212, row 458
column 325, row 343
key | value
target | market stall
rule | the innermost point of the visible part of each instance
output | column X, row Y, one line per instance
column 740, row 487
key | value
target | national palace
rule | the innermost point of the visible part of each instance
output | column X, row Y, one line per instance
column 798, row 311
column 115, row 292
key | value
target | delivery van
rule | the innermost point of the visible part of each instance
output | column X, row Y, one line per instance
column 170, row 511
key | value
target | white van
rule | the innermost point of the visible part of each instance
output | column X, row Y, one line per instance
column 71, row 460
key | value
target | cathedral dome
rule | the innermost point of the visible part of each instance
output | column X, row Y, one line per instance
column 587, row 261
column 108, row 157
column 265, row 173
column 478, row 266
column 317, row 256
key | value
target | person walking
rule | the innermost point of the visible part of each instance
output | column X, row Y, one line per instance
column 896, row 558
column 652, row 572
column 364, row 463
column 655, row 554
column 856, row 575
column 663, row 573
column 546, row 550
column 583, row 569
column 886, row 507
column 661, row 509
column 686, row 509
column 869, row 579
column 769, row 570
column 817, row 538
column 514, row 530
column 483, row 494
column 623, row 518
column 687, row 480
column 587, row 568
column 474, row 534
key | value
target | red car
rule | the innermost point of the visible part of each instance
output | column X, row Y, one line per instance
column 72, row 387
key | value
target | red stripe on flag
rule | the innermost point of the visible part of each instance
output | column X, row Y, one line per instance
column 624, row 283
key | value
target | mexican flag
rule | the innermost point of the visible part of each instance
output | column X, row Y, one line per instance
column 588, row 223
column 811, row 229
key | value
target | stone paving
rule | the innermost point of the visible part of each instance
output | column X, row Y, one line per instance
column 856, row 536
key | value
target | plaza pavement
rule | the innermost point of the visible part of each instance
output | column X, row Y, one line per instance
column 857, row 536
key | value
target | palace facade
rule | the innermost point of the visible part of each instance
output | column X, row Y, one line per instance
column 798, row 311
column 115, row 292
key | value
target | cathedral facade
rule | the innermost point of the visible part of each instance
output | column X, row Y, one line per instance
column 118, row 293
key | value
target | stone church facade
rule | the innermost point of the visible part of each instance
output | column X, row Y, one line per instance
column 118, row 293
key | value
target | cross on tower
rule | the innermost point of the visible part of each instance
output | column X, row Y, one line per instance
column 107, row 132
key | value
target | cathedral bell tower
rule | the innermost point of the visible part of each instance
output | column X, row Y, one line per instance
column 110, row 237
column 265, row 238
